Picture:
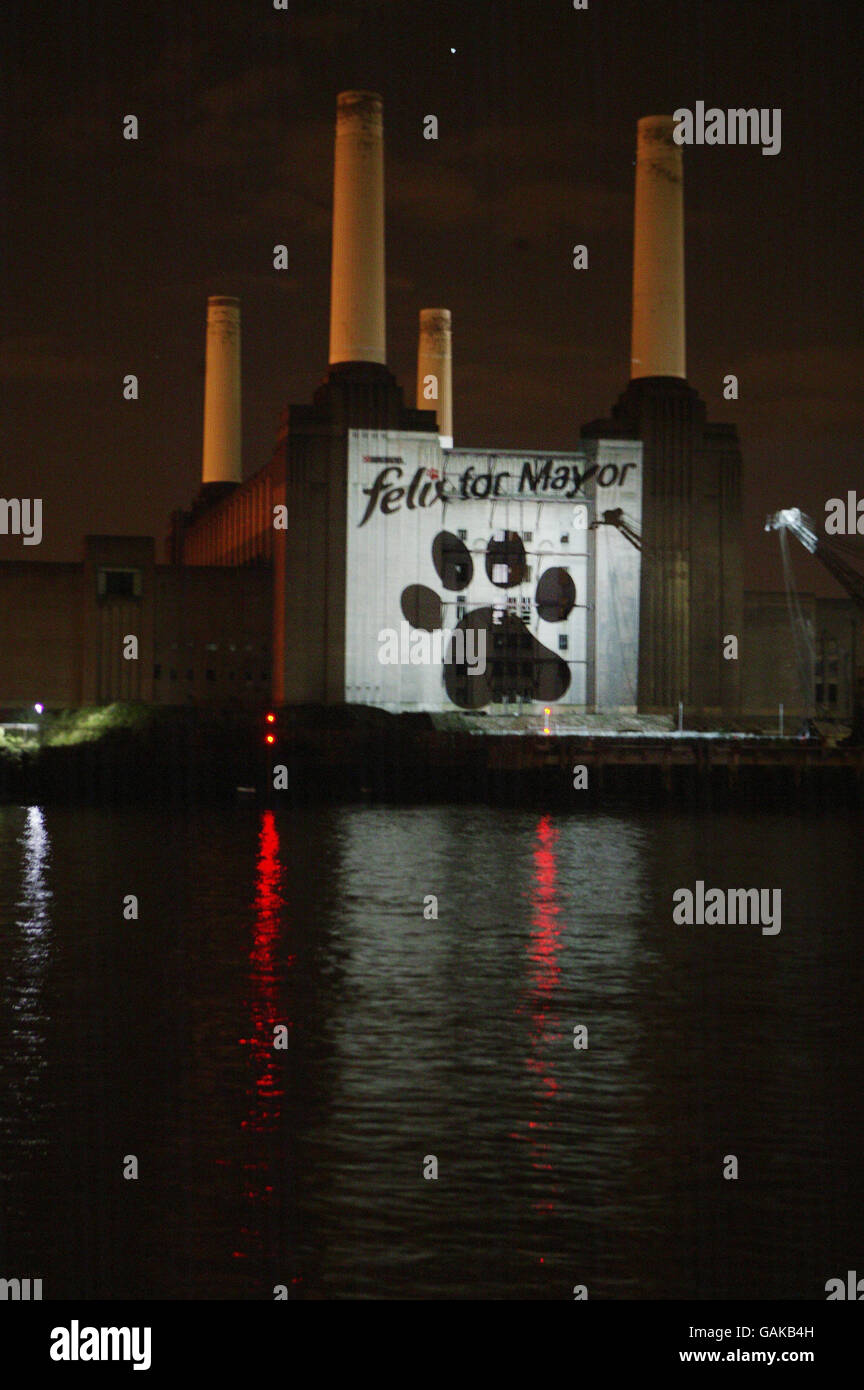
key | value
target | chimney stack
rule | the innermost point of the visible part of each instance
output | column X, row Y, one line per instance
column 357, row 313
column 435, row 360
column 658, row 253
column 222, row 428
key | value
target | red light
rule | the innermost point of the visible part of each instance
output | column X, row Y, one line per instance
column 271, row 738
column 271, row 719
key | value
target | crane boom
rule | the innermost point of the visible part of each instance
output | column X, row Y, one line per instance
column 794, row 520
column 614, row 516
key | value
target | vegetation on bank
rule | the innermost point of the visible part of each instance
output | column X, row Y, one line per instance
column 30, row 730
column 127, row 751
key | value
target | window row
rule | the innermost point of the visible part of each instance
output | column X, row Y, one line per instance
column 527, row 536
column 209, row 675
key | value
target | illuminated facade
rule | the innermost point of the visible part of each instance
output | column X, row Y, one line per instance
column 501, row 545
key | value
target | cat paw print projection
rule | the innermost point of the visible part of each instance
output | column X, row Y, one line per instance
column 517, row 666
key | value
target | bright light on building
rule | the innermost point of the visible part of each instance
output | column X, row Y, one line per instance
column 38, row 708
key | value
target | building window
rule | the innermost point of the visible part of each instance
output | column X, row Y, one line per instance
column 565, row 539
column 528, row 536
column 526, row 610
column 511, row 603
column 460, row 607
column 117, row 583
column 562, row 641
column 463, row 535
column 528, row 572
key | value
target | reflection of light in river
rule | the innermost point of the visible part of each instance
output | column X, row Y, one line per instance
column 26, row 973
column 543, row 949
column 266, row 1091
column 36, row 894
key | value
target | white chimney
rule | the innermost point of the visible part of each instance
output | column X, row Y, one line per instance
column 435, row 370
column 222, row 426
column 357, row 303
column 658, row 253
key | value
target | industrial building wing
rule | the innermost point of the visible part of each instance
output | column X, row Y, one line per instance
column 605, row 579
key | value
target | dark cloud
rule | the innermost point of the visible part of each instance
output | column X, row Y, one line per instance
column 47, row 357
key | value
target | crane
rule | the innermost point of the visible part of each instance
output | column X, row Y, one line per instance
column 801, row 525
column 790, row 518
column 614, row 516
column 794, row 520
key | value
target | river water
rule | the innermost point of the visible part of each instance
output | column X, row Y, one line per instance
column 411, row 1037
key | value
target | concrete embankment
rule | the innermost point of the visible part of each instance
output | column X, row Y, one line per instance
column 356, row 754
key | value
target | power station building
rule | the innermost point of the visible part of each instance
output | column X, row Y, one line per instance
column 372, row 562
column 388, row 532
column 645, row 626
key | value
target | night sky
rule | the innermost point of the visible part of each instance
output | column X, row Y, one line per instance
column 111, row 247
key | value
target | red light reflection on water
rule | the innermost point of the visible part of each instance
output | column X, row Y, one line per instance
column 265, row 1092
column 264, row 981
column 543, row 948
